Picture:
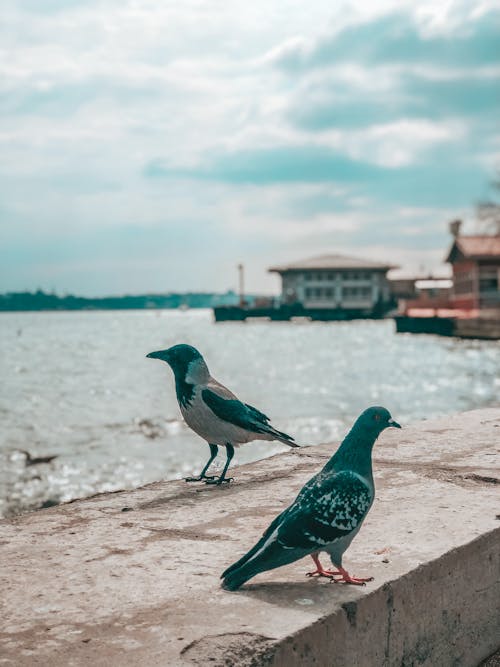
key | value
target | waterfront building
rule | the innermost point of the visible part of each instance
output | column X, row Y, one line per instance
column 475, row 262
column 336, row 282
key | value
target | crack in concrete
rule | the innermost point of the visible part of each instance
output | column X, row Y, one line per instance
column 482, row 478
column 389, row 604
column 182, row 533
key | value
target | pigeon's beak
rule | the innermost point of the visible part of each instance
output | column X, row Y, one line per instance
column 156, row 355
column 393, row 423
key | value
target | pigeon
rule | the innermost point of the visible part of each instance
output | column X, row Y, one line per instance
column 326, row 515
column 214, row 412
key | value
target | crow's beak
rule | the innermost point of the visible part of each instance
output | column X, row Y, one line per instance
column 391, row 422
column 156, row 355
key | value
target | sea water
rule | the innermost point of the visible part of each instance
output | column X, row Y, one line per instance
column 78, row 385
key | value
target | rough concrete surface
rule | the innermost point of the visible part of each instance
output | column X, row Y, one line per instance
column 132, row 578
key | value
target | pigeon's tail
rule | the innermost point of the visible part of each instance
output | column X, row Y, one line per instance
column 274, row 555
column 270, row 556
column 237, row 578
column 282, row 437
column 257, row 547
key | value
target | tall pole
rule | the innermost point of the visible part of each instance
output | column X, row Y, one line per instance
column 241, row 284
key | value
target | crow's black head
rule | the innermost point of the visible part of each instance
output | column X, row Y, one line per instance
column 177, row 357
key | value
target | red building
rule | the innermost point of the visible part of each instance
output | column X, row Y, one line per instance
column 475, row 261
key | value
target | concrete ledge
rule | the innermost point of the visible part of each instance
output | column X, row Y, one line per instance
column 131, row 578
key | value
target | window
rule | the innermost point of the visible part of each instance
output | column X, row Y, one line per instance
column 356, row 293
column 488, row 279
column 463, row 282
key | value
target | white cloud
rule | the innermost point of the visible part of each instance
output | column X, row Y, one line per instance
column 94, row 91
column 400, row 143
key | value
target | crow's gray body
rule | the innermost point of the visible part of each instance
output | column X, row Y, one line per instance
column 212, row 411
column 203, row 420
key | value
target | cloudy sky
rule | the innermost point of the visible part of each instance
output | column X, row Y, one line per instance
column 150, row 146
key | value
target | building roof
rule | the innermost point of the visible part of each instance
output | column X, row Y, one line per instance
column 475, row 247
column 331, row 262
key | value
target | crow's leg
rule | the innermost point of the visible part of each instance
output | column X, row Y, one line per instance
column 347, row 579
column 223, row 478
column 320, row 571
column 213, row 453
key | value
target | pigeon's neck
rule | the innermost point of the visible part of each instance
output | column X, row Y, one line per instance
column 355, row 453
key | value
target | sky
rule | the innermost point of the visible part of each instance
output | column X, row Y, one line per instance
column 151, row 146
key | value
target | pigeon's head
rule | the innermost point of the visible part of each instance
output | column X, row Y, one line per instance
column 181, row 358
column 375, row 420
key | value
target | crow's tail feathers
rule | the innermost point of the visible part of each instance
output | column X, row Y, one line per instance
column 283, row 437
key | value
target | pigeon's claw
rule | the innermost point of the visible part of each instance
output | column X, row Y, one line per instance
column 347, row 579
column 320, row 570
column 329, row 574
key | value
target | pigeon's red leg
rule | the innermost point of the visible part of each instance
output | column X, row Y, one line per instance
column 320, row 571
column 347, row 579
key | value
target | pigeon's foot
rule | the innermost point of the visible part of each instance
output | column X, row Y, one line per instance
column 218, row 481
column 200, row 478
column 320, row 570
column 347, row 579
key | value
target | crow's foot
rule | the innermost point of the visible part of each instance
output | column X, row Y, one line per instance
column 200, row 478
column 218, row 481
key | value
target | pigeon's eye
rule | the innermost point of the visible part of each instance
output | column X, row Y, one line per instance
column 377, row 417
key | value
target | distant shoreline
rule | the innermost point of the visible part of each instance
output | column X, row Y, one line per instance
column 42, row 301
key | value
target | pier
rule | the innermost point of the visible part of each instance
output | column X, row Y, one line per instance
column 285, row 313
column 475, row 328
column 132, row 578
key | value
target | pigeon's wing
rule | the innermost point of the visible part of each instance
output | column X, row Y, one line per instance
column 329, row 509
column 272, row 527
column 265, row 535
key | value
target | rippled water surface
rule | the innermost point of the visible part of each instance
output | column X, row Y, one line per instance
column 78, row 385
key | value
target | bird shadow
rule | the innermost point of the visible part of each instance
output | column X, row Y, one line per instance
column 312, row 592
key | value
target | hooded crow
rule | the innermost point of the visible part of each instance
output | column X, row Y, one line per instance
column 212, row 411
